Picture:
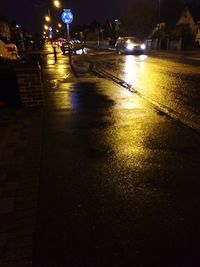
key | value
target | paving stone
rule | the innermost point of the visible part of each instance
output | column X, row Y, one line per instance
column 5, row 220
column 3, row 239
column 22, row 240
column 8, row 154
column 18, row 161
column 25, row 214
column 19, row 263
column 3, row 176
column 12, row 186
column 10, row 189
column 18, row 251
column 26, row 205
column 7, row 205
column 14, row 175
column 20, row 150
column 22, row 223
column 19, row 181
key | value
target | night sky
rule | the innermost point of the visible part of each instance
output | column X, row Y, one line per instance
column 29, row 16
column 26, row 13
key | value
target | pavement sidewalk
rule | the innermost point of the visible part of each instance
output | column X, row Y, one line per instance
column 21, row 139
column 20, row 150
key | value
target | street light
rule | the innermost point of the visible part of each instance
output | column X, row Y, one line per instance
column 57, row 4
column 47, row 18
column 117, row 27
column 21, row 37
column 46, row 27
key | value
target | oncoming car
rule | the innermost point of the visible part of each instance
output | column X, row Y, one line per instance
column 8, row 50
column 129, row 45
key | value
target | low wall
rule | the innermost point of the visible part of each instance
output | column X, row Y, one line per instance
column 175, row 45
column 156, row 44
column 30, row 84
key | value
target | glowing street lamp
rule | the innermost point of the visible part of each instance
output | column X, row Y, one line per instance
column 47, row 18
column 57, row 3
column 59, row 25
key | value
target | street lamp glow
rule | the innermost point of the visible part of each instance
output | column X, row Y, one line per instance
column 46, row 27
column 59, row 25
column 44, row 33
column 57, row 3
column 47, row 18
column 57, row 30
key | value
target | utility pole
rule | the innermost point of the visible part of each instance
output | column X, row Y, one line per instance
column 21, row 37
column 159, row 14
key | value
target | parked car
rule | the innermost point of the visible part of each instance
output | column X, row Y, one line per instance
column 129, row 45
column 8, row 50
column 77, row 45
column 66, row 46
column 73, row 45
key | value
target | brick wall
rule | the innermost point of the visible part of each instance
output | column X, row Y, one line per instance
column 30, row 84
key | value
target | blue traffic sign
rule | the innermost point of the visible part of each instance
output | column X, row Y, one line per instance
column 67, row 16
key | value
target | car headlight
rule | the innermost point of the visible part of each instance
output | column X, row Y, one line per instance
column 130, row 46
column 143, row 46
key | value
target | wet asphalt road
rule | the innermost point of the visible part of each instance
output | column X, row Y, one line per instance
column 119, row 180
column 170, row 81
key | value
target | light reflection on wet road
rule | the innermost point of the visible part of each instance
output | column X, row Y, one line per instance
column 119, row 181
column 171, row 83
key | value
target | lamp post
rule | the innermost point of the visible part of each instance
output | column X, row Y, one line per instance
column 159, row 40
column 21, row 37
column 159, row 14
column 48, row 17
column 117, row 27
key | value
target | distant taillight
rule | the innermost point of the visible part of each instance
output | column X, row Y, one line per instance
column 10, row 49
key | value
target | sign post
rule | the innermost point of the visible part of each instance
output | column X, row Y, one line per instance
column 67, row 17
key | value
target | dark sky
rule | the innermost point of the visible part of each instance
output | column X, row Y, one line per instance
column 29, row 16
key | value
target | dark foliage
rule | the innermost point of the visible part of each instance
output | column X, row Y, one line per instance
column 142, row 16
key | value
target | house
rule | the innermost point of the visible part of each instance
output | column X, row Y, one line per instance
column 190, row 19
column 4, row 28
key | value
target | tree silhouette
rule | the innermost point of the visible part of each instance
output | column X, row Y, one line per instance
column 139, row 18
